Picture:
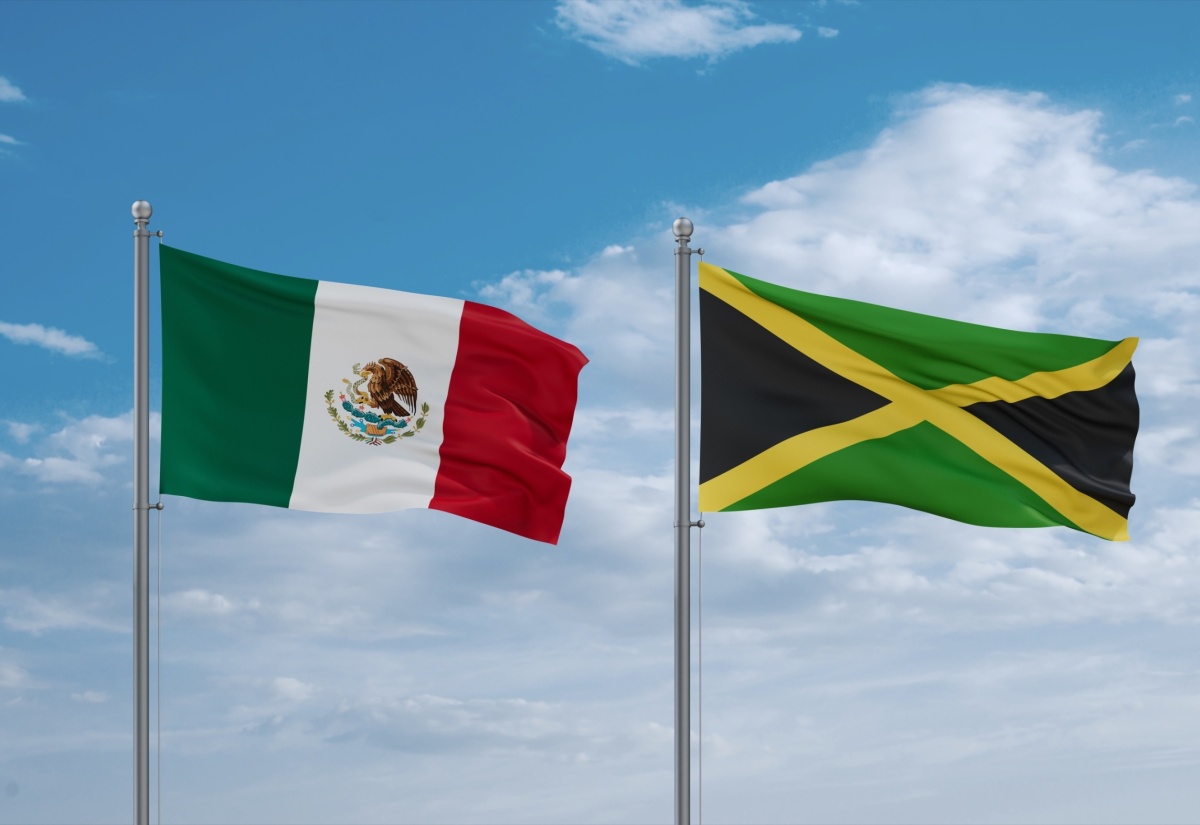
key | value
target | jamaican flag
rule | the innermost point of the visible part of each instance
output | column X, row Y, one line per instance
column 807, row 398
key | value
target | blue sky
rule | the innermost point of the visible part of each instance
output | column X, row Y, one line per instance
column 1030, row 165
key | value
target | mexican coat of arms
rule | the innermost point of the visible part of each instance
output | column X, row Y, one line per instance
column 385, row 411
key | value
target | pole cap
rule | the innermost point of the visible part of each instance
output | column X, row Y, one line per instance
column 682, row 227
column 142, row 210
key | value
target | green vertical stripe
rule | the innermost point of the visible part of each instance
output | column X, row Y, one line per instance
column 235, row 372
column 927, row 351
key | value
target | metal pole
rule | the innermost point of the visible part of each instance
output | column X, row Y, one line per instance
column 141, row 510
column 683, row 516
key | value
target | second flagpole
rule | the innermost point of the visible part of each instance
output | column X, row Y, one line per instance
column 683, row 521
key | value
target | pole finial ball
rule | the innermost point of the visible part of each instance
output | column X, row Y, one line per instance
column 142, row 210
column 682, row 227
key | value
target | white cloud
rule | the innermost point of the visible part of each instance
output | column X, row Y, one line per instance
column 457, row 724
column 82, row 451
column 291, row 689
column 1167, row 367
column 12, row 676
column 1183, row 120
column 50, row 338
column 1181, row 99
column 1172, row 449
column 90, row 610
column 94, row 697
column 85, row 448
column 9, row 93
column 590, row 421
column 825, row 31
column 974, row 204
column 525, row 291
column 57, row 470
column 197, row 602
column 637, row 30
column 20, row 432
column 9, row 140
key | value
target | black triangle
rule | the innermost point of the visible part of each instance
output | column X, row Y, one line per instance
column 1086, row 438
column 757, row 390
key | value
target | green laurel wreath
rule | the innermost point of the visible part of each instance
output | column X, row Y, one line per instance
column 345, row 428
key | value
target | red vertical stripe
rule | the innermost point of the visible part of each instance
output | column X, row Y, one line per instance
column 508, row 415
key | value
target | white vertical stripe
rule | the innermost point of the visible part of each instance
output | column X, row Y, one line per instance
column 359, row 324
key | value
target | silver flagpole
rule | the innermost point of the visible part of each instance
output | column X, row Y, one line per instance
column 141, row 510
column 683, row 522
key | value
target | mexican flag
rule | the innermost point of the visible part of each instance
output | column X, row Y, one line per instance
column 325, row 396
column 808, row 398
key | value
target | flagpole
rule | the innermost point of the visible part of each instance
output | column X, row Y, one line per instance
column 683, row 523
column 141, row 509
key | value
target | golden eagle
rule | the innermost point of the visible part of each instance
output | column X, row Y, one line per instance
column 388, row 380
